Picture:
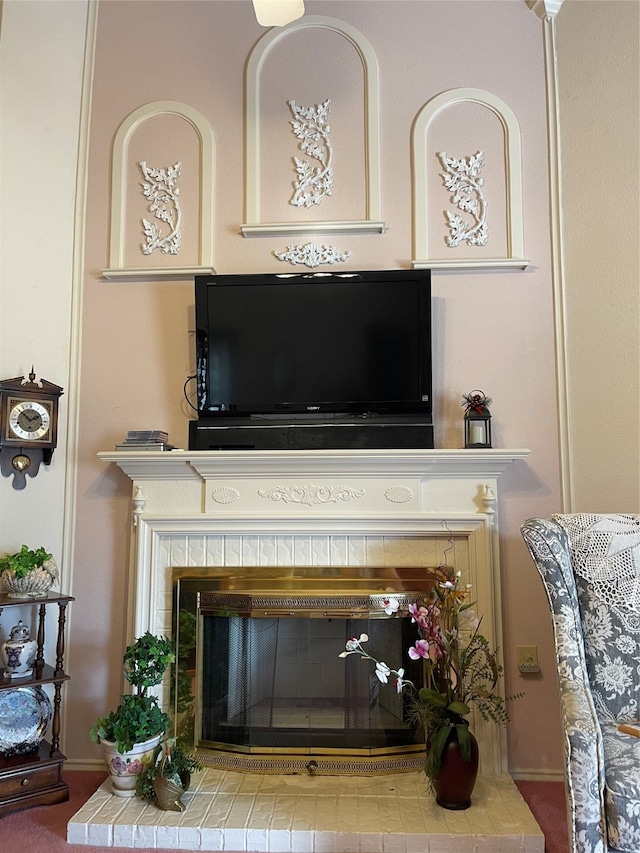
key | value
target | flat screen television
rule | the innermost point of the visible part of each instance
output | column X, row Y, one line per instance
column 313, row 345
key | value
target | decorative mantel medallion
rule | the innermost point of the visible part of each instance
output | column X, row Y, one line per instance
column 225, row 495
column 399, row 494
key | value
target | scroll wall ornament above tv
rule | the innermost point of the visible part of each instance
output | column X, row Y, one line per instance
column 312, row 255
column 462, row 178
column 310, row 126
column 161, row 190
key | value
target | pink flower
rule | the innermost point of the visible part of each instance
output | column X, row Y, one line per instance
column 419, row 650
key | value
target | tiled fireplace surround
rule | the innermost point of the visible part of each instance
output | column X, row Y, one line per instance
column 316, row 508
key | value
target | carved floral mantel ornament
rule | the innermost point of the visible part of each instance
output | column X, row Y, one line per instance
column 311, row 495
column 312, row 255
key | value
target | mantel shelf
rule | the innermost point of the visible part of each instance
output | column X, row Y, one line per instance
column 199, row 464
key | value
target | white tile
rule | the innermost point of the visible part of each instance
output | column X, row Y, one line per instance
column 144, row 836
column 511, row 844
column 398, row 843
column 325, row 841
column 439, row 843
column 257, row 840
column 100, row 835
column 348, row 842
column 234, row 839
column 211, row 839
column 279, row 841
column 77, row 833
column 370, row 842
column 302, row 840
column 188, row 838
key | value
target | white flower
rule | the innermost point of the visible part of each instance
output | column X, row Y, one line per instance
column 400, row 680
column 382, row 671
column 391, row 605
column 471, row 617
column 352, row 644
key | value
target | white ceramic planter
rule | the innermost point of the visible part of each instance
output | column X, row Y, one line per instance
column 124, row 767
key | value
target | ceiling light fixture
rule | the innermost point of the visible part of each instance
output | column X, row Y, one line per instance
column 278, row 13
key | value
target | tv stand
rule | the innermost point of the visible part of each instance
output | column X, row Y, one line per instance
column 342, row 433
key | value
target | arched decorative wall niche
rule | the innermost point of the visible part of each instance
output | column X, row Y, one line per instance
column 254, row 227
column 121, row 236
column 423, row 162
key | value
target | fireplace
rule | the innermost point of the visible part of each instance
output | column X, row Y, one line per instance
column 240, row 513
column 259, row 684
column 314, row 514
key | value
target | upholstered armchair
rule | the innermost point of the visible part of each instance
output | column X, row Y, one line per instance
column 590, row 567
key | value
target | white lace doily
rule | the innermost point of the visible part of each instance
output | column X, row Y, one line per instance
column 605, row 551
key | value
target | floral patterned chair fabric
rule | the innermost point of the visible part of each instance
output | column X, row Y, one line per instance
column 590, row 567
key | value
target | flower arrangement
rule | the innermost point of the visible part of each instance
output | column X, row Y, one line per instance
column 460, row 668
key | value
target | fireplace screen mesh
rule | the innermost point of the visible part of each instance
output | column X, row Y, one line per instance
column 279, row 683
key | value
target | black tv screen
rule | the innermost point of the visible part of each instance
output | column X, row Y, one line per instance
column 352, row 343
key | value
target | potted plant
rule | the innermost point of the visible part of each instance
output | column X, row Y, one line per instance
column 29, row 573
column 130, row 734
column 167, row 776
column 460, row 669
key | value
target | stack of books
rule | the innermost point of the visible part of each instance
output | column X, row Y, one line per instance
column 143, row 439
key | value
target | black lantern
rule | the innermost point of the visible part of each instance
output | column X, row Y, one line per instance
column 477, row 419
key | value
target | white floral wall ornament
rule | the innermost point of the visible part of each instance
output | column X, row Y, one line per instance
column 312, row 255
column 310, row 126
column 159, row 187
column 462, row 178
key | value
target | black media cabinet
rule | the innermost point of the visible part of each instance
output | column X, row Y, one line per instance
column 326, row 434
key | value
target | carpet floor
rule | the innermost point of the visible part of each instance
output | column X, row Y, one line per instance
column 43, row 829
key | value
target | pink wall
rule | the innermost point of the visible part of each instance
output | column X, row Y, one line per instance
column 493, row 330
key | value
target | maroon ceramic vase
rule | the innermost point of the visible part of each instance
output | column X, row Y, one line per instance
column 456, row 778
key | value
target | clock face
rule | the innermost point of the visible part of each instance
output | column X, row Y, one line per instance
column 29, row 421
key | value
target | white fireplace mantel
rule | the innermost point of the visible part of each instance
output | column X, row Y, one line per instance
column 316, row 508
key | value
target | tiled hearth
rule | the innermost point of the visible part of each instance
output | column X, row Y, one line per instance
column 302, row 814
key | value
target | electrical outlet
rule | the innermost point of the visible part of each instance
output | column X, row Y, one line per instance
column 528, row 659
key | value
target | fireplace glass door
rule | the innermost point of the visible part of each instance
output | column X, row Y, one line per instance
column 259, row 682
column 278, row 683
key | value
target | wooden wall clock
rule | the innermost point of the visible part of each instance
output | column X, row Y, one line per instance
column 28, row 426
